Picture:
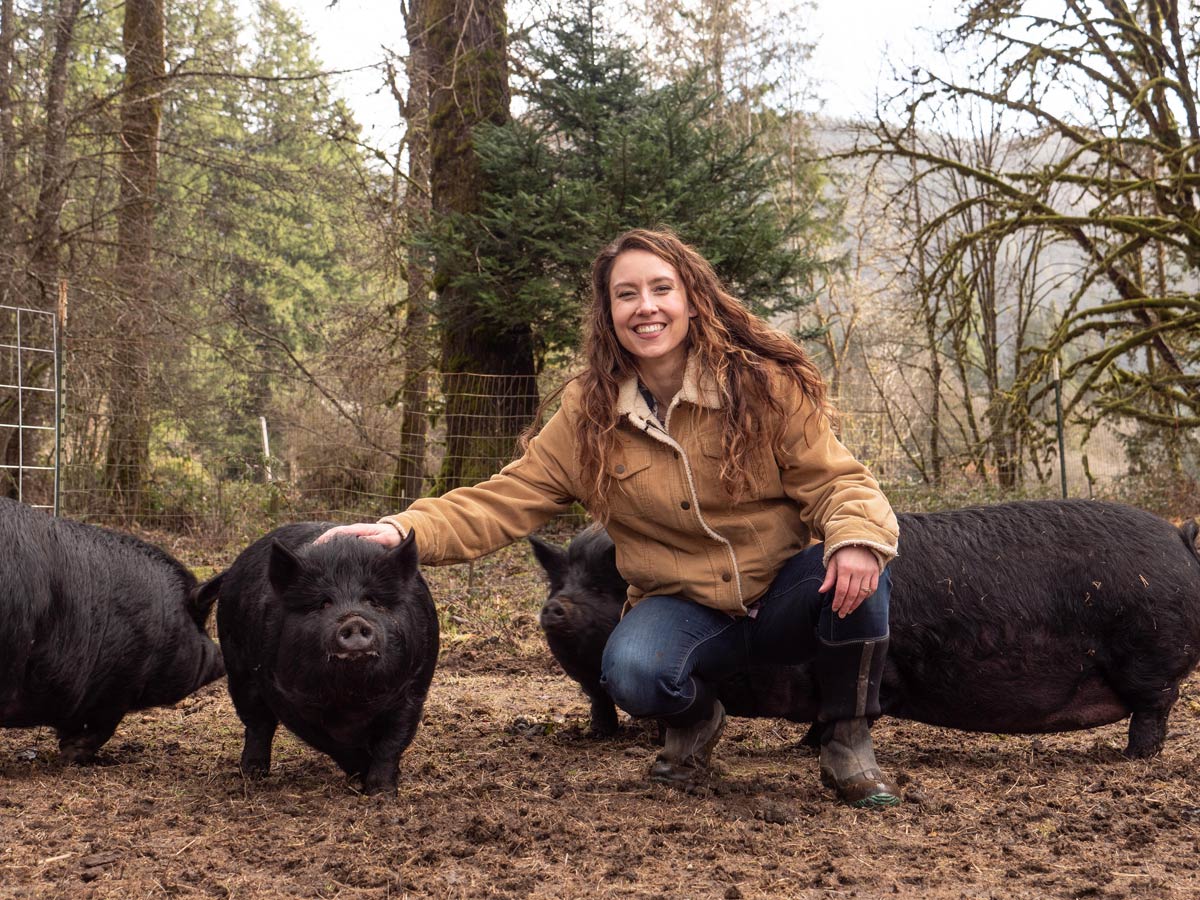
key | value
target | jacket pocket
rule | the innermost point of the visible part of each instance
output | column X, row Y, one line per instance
column 759, row 463
column 627, row 462
column 630, row 482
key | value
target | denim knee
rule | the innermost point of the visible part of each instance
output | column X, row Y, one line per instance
column 640, row 683
column 869, row 622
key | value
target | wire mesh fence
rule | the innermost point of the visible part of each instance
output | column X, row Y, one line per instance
column 357, row 449
column 29, row 411
column 322, row 465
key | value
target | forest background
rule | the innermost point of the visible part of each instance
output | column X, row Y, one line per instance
column 1010, row 240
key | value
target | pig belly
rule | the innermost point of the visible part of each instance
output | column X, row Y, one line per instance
column 1033, row 708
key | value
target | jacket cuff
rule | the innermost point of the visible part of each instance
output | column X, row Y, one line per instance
column 403, row 529
column 883, row 552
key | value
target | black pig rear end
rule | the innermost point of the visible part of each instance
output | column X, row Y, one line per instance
column 338, row 641
column 94, row 623
column 1043, row 616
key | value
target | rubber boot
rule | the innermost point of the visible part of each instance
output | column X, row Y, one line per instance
column 848, row 677
column 687, row 752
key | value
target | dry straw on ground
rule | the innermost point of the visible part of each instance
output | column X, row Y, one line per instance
column 503, row 795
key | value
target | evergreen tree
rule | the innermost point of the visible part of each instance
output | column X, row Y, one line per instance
column 600, row 151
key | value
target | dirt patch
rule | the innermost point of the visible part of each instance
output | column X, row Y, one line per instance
column 503, row 795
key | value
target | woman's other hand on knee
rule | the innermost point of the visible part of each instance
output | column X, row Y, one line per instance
column 853, row 574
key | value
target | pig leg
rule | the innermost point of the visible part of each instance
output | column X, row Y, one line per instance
column 256, row 750
column 260, row 725
column 603, row 715
column 384, row 770
column 604, row 711
column 352, row 762
column 382, row 774
column 1147, row 681
column 78, row 744
column 812, row 737
column 1148, row 726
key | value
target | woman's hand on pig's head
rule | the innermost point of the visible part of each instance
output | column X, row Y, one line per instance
column 377, row 532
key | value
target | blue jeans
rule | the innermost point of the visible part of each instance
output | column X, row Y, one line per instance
column 665, row 653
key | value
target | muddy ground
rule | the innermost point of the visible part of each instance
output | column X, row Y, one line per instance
column 503, row 795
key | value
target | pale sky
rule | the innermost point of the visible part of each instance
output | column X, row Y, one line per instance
column 851, row 38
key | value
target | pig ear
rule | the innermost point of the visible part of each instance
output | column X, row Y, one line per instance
column 284, row 568
column 399, row 564
column 552, row 559
column 202, row 597
column 610, row 556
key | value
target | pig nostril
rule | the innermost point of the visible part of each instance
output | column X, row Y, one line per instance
column 356, row 634
column 553, row 610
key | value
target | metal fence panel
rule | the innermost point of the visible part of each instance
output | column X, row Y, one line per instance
column 30, row 405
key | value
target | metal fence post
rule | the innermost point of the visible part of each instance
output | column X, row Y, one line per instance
column 266, row 442
column 1058, row 414
column 60, row 327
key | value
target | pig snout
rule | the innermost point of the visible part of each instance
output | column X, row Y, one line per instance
column 553, row 616
column 355, row 638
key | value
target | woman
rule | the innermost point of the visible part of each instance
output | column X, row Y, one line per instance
column 702, row 438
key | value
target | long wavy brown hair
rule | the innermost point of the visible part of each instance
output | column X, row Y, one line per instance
column 732, row 343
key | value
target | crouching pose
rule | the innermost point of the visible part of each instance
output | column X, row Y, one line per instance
column 702, row 438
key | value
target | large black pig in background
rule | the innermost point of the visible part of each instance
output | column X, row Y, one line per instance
column 1027, row 617
column 338, row 641
column 94, row 623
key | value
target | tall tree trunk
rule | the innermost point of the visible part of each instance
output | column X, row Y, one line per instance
column 44, row 252
column 134, row 282
column 416, row 338
column 40, row 289
column 8, row 256
column 491, row 394
column 8, row 156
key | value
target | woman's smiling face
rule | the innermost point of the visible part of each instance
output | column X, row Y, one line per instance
column 650, row 308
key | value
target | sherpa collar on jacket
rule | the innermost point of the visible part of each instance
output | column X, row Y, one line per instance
column 699, row 388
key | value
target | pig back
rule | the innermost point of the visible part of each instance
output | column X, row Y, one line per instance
column 1038, row 616
column 91, row 619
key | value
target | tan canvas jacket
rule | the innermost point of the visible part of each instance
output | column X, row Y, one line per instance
column 676, row 530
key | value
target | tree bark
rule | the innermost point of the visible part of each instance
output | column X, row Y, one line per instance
column 416, row 339
column 489, row 384
column 44, row 252
column 134, row 280
column 8, row 154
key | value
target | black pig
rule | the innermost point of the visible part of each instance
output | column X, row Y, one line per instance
column 1028, row 617
column 586, row 596
column 338, row 641
column 94, row 623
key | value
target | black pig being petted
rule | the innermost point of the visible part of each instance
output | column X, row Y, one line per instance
column 1027, row 617
column 94, row 623
column 338, row 641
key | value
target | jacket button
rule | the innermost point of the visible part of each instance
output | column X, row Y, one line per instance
column 725, row 576
column 620, row 470
column 685, row 505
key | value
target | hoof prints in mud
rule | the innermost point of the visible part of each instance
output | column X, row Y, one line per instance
column 489, row 809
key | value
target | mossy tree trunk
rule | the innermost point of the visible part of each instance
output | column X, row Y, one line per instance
column 44, row 249
column 134, row 279
column 416, row 339
column 488, row 371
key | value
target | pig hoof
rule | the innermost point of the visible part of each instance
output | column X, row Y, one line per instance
column 255, row 768
column 1139, row 751
column 603, row 728
column 379, row 789
column 78, row 756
